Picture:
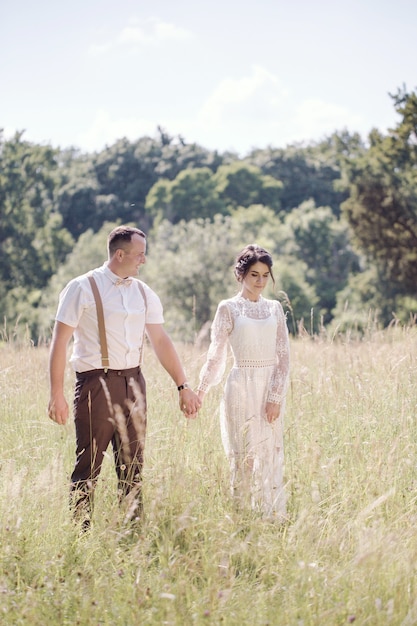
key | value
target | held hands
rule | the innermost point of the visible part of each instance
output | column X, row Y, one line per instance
column 189, row 403
column 58, row 409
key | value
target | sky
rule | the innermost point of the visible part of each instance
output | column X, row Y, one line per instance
column 227, row 75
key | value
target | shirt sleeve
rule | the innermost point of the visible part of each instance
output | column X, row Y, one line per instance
column 154, row 308
column 212, row 371
column 279, row 380
column 73, row 301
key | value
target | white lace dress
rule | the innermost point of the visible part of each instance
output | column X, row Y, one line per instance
column 258, row 336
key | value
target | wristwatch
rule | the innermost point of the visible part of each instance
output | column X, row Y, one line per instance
column 183, row 386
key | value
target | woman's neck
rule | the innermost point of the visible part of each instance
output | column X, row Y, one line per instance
column 249, row 297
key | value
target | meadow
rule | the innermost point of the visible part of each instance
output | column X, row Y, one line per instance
column 348, row 553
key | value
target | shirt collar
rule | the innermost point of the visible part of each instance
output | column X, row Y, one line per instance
column 110, row 275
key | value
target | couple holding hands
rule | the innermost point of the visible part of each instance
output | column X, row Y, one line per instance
column 107, row 312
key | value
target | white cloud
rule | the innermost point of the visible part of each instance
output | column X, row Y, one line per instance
column 106, row 130
column 258, row 110
column 150, row 32
column 243, row 98
column 255, row 111
column 315, row 118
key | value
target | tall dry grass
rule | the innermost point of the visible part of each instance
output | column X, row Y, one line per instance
column 347, row 555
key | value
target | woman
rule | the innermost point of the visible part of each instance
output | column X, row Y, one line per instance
column 253, row 404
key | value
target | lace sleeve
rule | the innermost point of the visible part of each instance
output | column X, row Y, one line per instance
column 212, row 371
column 279, row 381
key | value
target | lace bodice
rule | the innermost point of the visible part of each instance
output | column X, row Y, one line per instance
column 258, row 336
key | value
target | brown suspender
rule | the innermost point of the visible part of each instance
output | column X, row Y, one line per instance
column 101, row 325
column 141, row 289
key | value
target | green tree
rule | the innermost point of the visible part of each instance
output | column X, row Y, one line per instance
column 322, row 242
column 32, row 240
column 310, row 171
column 128, row 170
column 243, row 184
column 369, row 302
column 190, row 195
column 382, row 207
column 297, row 296
column 259, row 224
column 190, row 267
column 198, row 192
column 90, row 251
column 78, row 194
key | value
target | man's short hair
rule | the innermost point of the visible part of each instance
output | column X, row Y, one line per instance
column 120, row 236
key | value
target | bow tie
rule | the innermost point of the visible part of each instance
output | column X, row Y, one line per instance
column 123, row 281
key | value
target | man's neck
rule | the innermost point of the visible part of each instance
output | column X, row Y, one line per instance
column 115, row 269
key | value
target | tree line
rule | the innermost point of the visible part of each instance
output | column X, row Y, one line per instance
column 339, row 217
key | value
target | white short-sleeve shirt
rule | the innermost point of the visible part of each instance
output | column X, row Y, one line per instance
column 125, row 316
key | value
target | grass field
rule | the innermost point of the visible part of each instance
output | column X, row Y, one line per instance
column 347, row 555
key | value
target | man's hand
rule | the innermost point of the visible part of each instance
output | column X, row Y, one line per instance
column 58, row 410
column 189, row 403
column 58, row 407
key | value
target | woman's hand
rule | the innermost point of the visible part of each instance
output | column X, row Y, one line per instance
column 272, row 411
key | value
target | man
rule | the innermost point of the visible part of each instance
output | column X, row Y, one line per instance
column 110, row 395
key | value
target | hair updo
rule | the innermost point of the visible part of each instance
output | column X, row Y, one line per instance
column 250, row 255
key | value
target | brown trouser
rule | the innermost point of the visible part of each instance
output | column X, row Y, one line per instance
column 108, row 407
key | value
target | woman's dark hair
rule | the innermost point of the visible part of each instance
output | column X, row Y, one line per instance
column 120, row 236
column 250, row 255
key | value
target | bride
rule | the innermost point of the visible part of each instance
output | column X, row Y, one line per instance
column 253, row 403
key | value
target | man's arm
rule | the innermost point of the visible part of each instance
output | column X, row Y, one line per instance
column 169, row 359
column 58, row 407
